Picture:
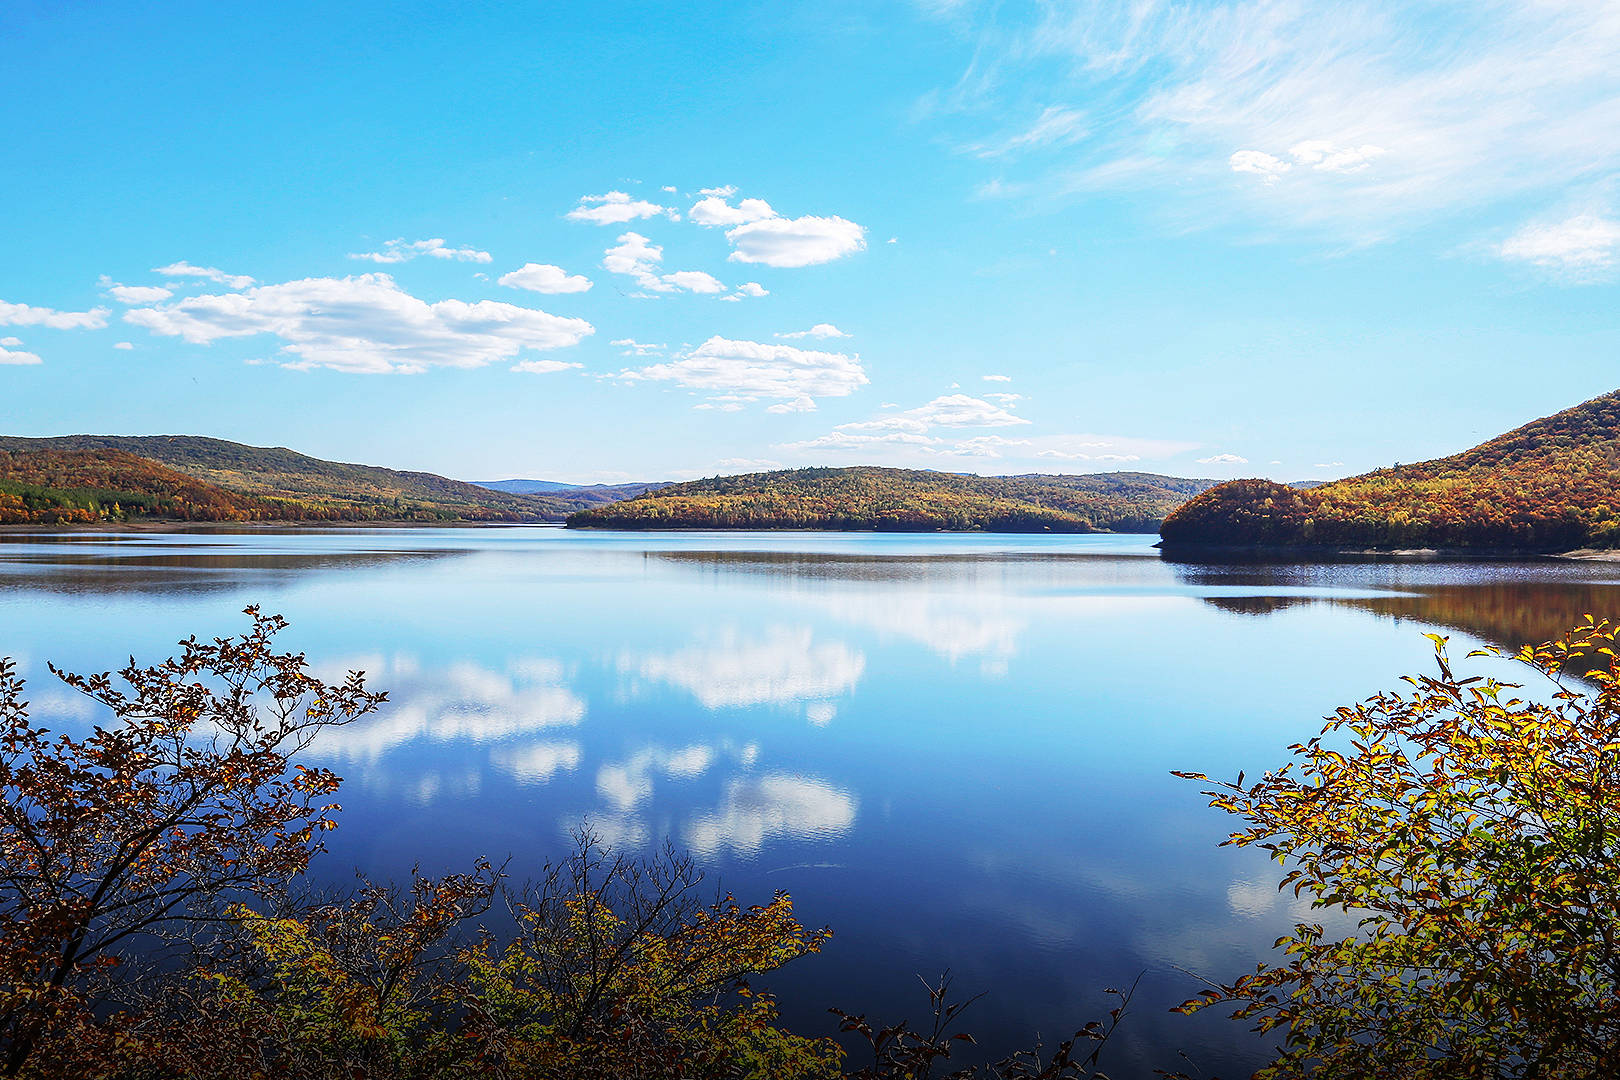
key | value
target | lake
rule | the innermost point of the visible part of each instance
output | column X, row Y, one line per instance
column 955, row 750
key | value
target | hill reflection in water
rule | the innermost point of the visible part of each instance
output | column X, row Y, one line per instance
column 164, row 564
column 1508, row 604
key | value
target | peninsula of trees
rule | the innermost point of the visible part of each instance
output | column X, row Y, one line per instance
column 902, row 500
column 1552, row 485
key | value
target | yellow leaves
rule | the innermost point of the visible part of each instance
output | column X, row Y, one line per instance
column 1481, row 837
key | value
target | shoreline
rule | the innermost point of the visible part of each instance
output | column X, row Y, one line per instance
column 1480, row 554
column 253, row 526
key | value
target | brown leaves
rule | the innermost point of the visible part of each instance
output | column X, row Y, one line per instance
column 183, row 801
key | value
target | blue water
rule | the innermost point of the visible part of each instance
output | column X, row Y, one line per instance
column 954, row 750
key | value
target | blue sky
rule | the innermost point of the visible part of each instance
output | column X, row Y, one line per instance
column 634, row 241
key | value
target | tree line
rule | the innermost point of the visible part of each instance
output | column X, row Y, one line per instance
column 901, row 500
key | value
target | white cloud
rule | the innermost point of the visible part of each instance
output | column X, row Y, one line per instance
column 1325, row 465
column 758, row 370
column 632, row 347
column 1324, row 156
column 848, row 440
column 753, row 464
column 1579, row 245
column 1005, row 399
column 996, row 378
column 640, row 259
column 758, row 234
column 798, row 404
column 204, row 273
column 544, row 367
column 723, row 192
column 13, row 341
column 748, row 289
column 1319, row 154
column 1075, row 455
column 1259, row 163
column 804, row 241
column 123, row 345
column 135, row 294
column 1361, row 120
column 820, row 330
column 1223, row 459
column 987, row 446
column 637, row 257
column 616, row 208
column 545, row 278
column 694, row 281
column 398, row 251
column 364, row 324
column 950, row 410
column 785, row 666
column 905, row 439
column 13, row 356
column 913, row 430
column 24, row 315
column 715, row 210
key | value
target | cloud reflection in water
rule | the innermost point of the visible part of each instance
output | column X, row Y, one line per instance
column 464, row 702
column 785, row 666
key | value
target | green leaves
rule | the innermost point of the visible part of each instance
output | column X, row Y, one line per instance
column 1478, row 840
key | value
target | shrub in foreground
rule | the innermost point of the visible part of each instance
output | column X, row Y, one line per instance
column 1474, row 831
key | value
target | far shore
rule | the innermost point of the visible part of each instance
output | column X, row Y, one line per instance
column 253, row 526
column 1180, row 550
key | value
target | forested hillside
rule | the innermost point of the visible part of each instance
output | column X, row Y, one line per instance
column 84, row 486
column 320, row 490
column 1551, row 485
column 905, row 500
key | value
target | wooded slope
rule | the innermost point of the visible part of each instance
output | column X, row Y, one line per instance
column 1551, row 485
column 914, row 500
column 320, row 490
column 85, row 486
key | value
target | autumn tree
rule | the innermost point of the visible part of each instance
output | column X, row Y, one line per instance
column 1473, row 829
column 144, row 831
column 620, row 967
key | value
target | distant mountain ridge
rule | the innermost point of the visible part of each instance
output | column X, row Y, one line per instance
column 585, row 494
column 1551, row 485
column 313, row 489
column 916, row 500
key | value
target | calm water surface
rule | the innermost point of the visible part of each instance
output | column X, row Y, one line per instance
column 954, row 750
